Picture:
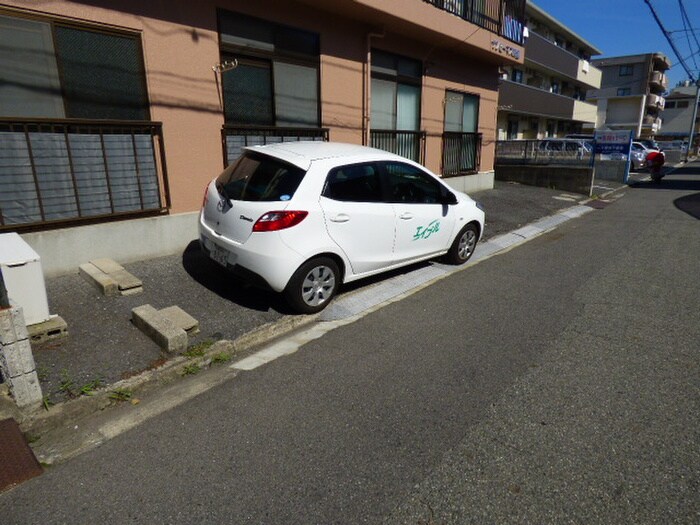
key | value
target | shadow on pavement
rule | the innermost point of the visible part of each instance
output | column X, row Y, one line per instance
column 226, row 285
column 689, row 204
column 669, row 184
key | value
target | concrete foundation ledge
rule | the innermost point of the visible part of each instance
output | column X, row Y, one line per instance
column 63, row 250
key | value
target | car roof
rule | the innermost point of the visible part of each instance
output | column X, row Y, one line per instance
column 303, row 153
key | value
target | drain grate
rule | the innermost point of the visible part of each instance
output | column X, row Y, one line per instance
column 17, row 461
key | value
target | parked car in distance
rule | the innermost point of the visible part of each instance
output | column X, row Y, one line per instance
column 638, row 155
column 303, row 217
column 648, row 144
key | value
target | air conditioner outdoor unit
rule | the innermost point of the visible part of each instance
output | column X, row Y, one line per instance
column 24, row 278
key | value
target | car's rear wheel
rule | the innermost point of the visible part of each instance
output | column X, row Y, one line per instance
column 313, row 285
column 463, row 246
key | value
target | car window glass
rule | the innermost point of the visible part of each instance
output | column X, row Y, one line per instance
column 409, row 184
column 356, row 183
column 255, row 177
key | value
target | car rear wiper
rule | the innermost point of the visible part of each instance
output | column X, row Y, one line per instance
column 222, row 191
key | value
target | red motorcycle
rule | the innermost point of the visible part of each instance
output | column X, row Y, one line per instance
column 655, row 161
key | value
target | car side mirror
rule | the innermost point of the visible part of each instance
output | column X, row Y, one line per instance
column 447, row 197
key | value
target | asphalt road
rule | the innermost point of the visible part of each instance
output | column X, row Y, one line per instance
column 555, row 383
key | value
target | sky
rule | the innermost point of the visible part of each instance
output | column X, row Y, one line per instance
column 627, row 27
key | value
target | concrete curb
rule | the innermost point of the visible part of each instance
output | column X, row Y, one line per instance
column 38, row 423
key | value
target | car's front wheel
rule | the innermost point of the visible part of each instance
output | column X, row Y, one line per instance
column 463, row 246
column 313, row 285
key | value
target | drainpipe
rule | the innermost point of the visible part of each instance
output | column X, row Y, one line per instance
column 368, row 88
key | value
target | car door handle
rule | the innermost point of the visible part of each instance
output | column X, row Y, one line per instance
column 341, row 217
column 406, row 216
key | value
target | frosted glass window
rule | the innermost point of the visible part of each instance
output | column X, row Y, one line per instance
column 408, row 107
column 383, row 104
column 461, row 112
column 29, row 84
column 296, row 94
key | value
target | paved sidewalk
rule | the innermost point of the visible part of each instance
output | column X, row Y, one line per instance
column 104, row 347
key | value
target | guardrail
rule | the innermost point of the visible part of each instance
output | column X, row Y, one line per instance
column 57, row 171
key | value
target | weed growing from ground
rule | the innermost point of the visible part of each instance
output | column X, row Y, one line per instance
column 221, row 357
column 190, row 370
column 121, row 394
column 89, row 388
column 198, row 350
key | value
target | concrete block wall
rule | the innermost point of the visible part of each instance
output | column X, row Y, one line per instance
column 16, row 359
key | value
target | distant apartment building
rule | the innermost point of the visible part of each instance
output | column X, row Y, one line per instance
column 631, row 93
column 679, row 113
column 546, row 96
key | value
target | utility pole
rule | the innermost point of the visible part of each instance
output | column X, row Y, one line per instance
column 692, row 121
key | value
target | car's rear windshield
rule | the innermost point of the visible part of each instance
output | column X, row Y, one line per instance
column 255, row 177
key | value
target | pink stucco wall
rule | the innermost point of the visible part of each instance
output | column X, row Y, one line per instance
column 180, row 46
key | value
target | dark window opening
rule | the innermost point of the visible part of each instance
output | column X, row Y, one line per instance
column 256, row 177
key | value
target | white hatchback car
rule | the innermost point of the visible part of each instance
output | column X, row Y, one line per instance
column 304, row 217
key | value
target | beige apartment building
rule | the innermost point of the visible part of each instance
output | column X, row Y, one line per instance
column 546, row 96
column 115, row 115
column 631, row 94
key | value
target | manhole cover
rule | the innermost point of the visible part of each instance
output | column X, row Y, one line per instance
column 17, row 461
column 597, row 204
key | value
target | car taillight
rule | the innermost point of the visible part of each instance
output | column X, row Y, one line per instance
column 279, row 220
column 206, row 196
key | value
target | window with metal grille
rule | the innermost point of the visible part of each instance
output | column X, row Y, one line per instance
column 276, row 81
column 73, row 144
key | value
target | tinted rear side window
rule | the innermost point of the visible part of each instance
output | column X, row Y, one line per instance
column 357, row 183
column 255, row 177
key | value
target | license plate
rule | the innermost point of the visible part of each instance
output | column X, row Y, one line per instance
column 219, row 254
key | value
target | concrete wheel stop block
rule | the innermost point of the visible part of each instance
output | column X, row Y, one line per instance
column 110, row 277
column 168, row 327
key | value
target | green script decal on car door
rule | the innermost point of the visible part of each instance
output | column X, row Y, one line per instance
column 423, row 232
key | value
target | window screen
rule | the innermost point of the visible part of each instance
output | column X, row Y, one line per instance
column 248, row 94
column 103, row 75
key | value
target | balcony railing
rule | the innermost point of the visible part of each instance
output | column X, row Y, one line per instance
column 409, row 144
column 461, row 153
column 57, row 171
column 235, row 138
column 502, row 17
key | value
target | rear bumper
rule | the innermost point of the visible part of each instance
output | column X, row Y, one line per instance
column 262, row 260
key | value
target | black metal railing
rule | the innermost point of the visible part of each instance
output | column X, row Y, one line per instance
column 543, row 152
column 502, row 17
column 461, row 153
column 235, row 138
column 409, row 144
column 54, row 171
